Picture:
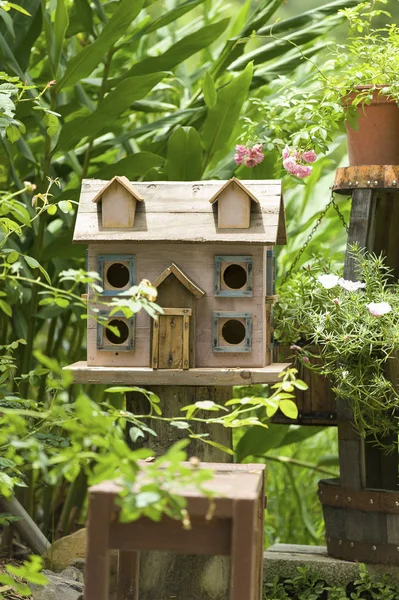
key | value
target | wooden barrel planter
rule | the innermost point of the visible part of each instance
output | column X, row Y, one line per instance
column 316, row 405
column 361, row 524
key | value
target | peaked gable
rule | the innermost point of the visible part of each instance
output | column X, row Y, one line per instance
column 227, row 184
column 123, row 181
column 182, row 277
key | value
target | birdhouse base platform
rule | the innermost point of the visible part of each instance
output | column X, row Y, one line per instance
column 82, row 373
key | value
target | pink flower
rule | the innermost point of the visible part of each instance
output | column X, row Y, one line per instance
column 250, row 156
column 305, row 359
column 379, row 308
column 310, row 156
column 286, row 152
column 290, row 165
column 302, row 171
column 337, row 301
column 240, row 153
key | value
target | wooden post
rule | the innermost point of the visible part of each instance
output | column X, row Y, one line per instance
column 163, row 575
column 374, row 224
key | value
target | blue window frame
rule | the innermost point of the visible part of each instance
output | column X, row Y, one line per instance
column 107, row 340
column 232, row 332
column 117, row 272
column 233, row 276
column 270, row 273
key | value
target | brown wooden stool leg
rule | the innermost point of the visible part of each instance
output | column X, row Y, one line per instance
column 243, row 581
column 97, row 554
column 128, row 575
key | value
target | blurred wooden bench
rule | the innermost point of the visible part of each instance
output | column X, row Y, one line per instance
column 235, row 529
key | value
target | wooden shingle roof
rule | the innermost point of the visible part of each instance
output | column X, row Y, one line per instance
column 182, row 212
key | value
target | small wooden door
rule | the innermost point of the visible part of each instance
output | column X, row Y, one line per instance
column 171, row 339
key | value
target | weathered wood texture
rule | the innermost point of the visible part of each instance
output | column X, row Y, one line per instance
column 118, row 208
column 234, row 208
column 373, row 225
column 199, row 577
column 197, row 262
column 82, row 373
column 362, row 524
column 181, row 212
column 235, row 529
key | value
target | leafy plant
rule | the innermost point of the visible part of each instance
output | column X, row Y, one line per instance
column 349, row 332
column 306, row 115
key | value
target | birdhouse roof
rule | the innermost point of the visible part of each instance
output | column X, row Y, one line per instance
column 124, row 182
column 181, row 212
column 227, row 184
column 182, row 277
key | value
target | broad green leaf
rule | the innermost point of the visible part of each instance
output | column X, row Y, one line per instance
column 135, row 433
column 289, row 409
column 180, row 424
column 91, row 56
column 62, row 302
column 256, row 441
column 132, row 166
column 180, row 51
column 209, row 90
column 18, row 8
column 222, row 118
column 13, row 133
column 61, row 22
column 81, row 18
column 113, row 105
column 184, row 155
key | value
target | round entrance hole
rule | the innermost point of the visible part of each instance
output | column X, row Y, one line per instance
column 118, row 275
column 233, row 331
column 123, row 332
column 235, row 276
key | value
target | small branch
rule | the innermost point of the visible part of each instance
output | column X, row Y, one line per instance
column 26, row 527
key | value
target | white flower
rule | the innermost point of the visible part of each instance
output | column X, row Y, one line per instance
column 379, row 308
column 328, row 281
column 351, row 286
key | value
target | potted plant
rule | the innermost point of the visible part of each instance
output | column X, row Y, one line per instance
column 356, row 88
column 349, row 332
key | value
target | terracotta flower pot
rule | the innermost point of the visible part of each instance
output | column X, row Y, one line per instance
column 376, row 141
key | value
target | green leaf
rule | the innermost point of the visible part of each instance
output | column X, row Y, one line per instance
column 210, row 94
column 179, row 52
column 32, row 262
column 51, row 124
column 52, row 209
column 257, row 441
column 135, row 433
column 170, row 16
column 301, row 385
column 61, row 23
column 6, row 308
column 221, row 119
column 289, row 409
column 144, row 499
column 184, row 155
column 62, row 302
column 180, row 424
column 91, row 56
column 12, row 257
column 114, row 104
column 19, row 8
column 65, row 206
column 13, row 133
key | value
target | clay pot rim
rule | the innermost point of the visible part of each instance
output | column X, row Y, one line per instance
column 377, row 97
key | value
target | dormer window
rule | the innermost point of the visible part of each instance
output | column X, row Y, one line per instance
column 118, row 200
column 233, row 276
column 117, row 272
column 234, row 205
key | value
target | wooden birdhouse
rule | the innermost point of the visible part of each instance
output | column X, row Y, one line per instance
column 118, row 200
column 234, row 205
column 214, row 283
